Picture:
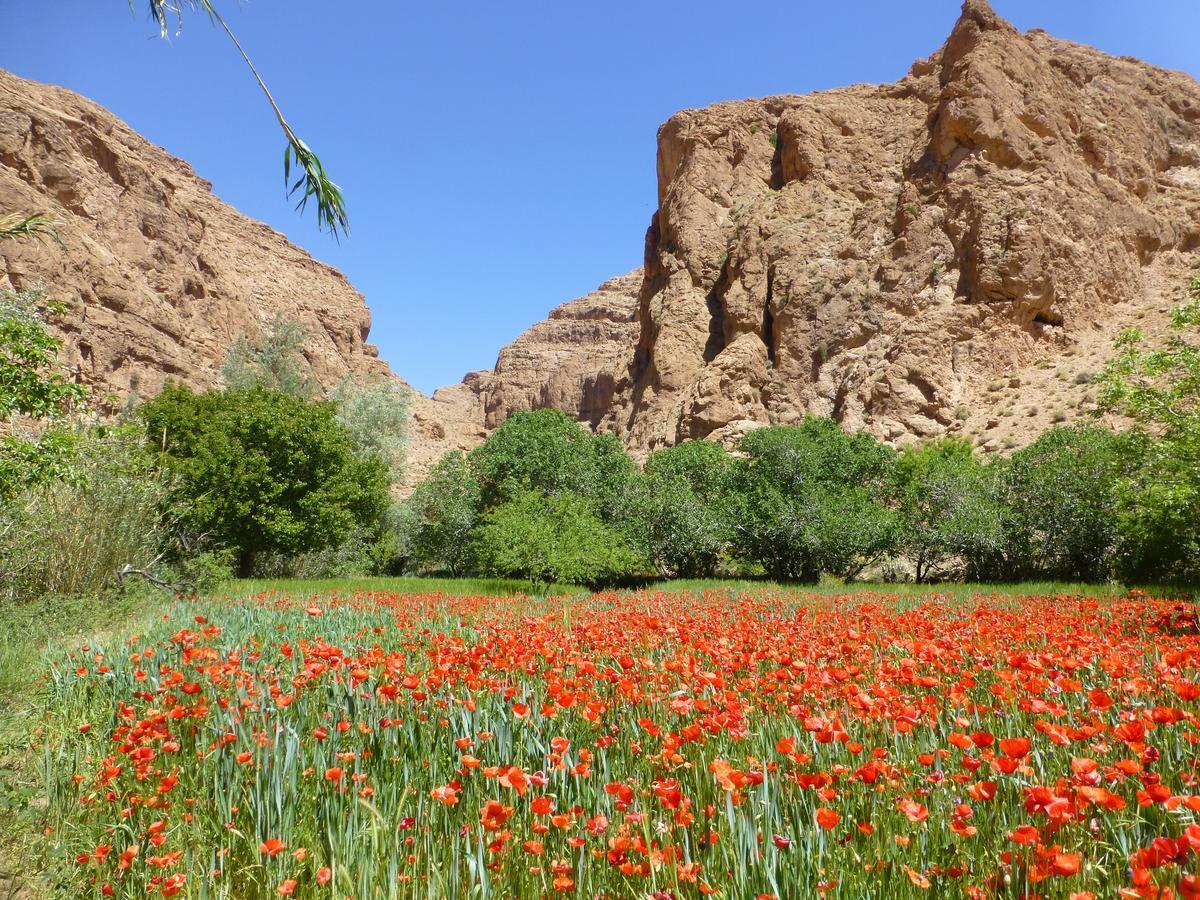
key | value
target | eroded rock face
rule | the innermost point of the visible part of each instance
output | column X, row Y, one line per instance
column 952, row 253
column 572, row 361
column 160, row 276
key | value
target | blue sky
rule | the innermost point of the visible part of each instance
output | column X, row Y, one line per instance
column 498, row 158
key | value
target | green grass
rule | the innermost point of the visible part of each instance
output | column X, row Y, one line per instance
column 458, row 587
column 464, row 587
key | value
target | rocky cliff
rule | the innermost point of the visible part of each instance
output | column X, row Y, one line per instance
column 952, row 253
column 160, row 276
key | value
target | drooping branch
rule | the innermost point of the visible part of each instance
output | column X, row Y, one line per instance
column 312, row 183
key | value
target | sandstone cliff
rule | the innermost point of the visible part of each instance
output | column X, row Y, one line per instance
column 953, row 253
column 950, row 254
column 159, row 275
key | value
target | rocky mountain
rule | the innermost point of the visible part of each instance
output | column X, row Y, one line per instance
column 950, row 254
column 160, row 276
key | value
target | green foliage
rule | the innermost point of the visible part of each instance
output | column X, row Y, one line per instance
column 550, row 452
column 682, row 520
column 1160, row 500
column 549, row 540
column 71, row 537
column 262, row 472
column 444, row 510
column 1062, row 493
column 275, row 362
column 30, row 387
column 36, row 225
column 376, row 416
column 946, row 509
column 808, row 500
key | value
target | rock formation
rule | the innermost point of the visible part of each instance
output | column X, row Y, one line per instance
column 160, row 277
column 950, row 254
column 896, row 256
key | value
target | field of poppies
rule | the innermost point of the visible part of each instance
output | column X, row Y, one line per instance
column 633, row 745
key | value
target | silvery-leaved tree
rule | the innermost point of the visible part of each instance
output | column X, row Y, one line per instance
column 311, row 183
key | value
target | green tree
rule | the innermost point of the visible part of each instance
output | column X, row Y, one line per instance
column 946, row 509
column 263, row 472
column 1063, row 493
column 548, row 540
column 445, row 508
column 33, row 389
column 682, row 519
column 810, row 499
column 275, row 362
column 1160, row 502
column 550, row 452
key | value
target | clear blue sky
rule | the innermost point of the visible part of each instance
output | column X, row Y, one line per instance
column 498, row 158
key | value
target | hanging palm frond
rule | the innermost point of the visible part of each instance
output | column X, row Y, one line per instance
column 15, row 225
column 312, row 183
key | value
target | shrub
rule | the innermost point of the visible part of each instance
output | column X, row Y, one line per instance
column 682, row 518
column 809, row 500
column 275, row 362
column 1160, row 501
column 376, row 416
column 31, row 388
column 444, row 510
column 550, row 452
column 552, row 539
column 947, row 512
column 72, row 537
column 1062, row 492
column 263, row 472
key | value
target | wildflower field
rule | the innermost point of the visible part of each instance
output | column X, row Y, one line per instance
column 633, row 745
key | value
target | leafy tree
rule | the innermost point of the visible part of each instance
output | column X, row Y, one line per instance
column 550, row 452
column 946, row 509
column 32, row 388
column 312, row 183
column 376, row 416
column 275, row 362
column 683, row 520
column 547, row 540
column 1063, row 495
column 263, row 472
column 1160, row 501
column 445, row 508
column 809, row 500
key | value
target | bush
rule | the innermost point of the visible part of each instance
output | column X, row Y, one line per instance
column 1062, row 492
column 73, row 537
column 948, row 514
column 1160, row 501
column 376, row 416
column 809, row 500
column 550, row 452
column 548, row 540
column 444, row 510
column 275, row 362
column 261, row 472
column 682, row 517
column 33, row 389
